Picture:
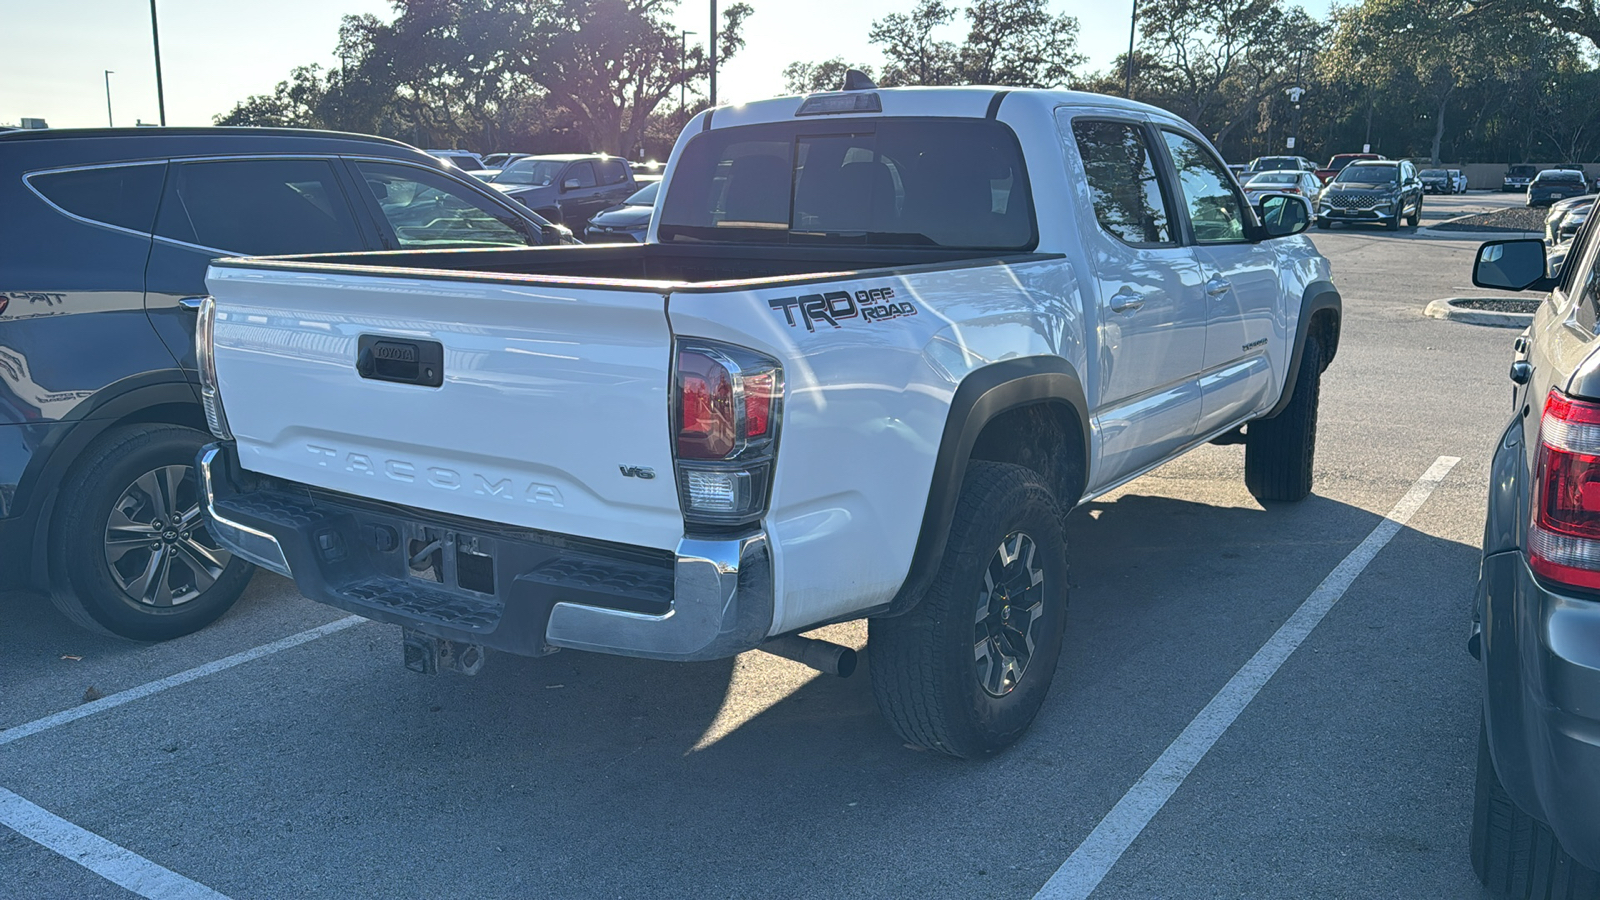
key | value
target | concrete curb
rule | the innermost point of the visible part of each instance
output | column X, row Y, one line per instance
column 1444, row 309
column 1428, row 232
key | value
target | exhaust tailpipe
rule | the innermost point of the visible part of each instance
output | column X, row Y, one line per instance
column 824, row 656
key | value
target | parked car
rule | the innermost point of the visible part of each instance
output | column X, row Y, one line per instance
column 1556, row 184
column 1565, row 218
column 567, row 188
column 1368, row 191
column 628, row 221
column 498, row 160
column 465, row 160
column 105, row 240
column 1337, row 163
column 1535, row 832
column 1299, row 181
column 1458, row 180
column 1280, row 163
column 820, row 391
column 1518, row 177
column 1437, row 181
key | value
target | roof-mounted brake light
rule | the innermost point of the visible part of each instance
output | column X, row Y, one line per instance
column 841, row 102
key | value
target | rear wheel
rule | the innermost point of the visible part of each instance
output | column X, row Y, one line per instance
column 129, row 551
column 1279, row 452
column 1514, row 854
column 967, row 669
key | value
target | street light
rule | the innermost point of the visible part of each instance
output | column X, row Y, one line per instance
column 155, row 38
column 713, row 51
column 1127, row 75
column 1295, row 93
column 109, row 123
column 683, row 82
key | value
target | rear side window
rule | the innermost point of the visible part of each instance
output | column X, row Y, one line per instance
column 582, row 173
column 261, row 207
column 425, row 209
column 124, row 196
column 1122, row 181
column 611, row 171
column 957, row 183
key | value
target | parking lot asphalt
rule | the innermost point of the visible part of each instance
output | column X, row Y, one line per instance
column 327, row 770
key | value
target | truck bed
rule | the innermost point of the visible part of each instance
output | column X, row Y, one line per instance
column 647, row 266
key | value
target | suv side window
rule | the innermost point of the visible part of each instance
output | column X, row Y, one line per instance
column 124, row 196
column 1216, row 213
column 1127, row 194
column 612, row 171
column 426, row 209
column 261, row 207
column 583, row 172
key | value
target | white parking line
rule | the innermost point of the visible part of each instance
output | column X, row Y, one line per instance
column 110, row 861
column 19, row 732
column 1087, row 866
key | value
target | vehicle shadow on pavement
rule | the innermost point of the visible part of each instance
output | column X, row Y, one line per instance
column 583, row 775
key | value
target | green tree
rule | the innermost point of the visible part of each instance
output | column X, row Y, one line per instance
column 809, row 78
column 911, row 53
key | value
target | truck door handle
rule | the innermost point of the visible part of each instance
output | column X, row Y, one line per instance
column 1217, row 286
column 192, row 304
column 1126, row 300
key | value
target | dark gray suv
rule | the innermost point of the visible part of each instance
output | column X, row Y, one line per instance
column 1536, row 624
column 103, row 253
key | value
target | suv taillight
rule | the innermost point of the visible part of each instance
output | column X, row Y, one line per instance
column 205, row 330
column 726, row 410
column 1564, row 539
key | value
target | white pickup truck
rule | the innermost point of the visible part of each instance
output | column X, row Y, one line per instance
column 877, row 345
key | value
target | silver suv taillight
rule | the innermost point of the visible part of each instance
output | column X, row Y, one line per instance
column 205, row 357
column 726, row 411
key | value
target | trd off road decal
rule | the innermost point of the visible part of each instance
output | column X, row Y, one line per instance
column 875, row 305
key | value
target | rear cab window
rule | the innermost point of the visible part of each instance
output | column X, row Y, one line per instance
column 955, row 183
column 124, row 196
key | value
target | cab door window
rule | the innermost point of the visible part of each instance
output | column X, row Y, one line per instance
column 1217, row 214
column 260, row 207
column 1125, row 190
column 582, row 173
column 425, row 209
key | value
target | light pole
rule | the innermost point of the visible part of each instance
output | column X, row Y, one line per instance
column 713, row 52
column 1127, row 75
column 1295, row 93
column 155, row 38
column 683, row 82
column 109, row 123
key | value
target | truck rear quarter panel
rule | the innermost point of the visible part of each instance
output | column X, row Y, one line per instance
column 868, row 392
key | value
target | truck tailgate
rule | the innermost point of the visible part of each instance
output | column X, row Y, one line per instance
column 550, row 410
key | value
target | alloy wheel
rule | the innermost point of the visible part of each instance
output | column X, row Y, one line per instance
column 1008, row 608
column 156, row 545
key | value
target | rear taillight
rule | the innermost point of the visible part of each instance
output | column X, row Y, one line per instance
column 1564, row 539
column 727, row 406
column 205, row 330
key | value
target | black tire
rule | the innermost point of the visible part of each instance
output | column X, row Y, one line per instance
column 1279, row 452
column 1324, row 223
column 1416, row 217
column 1516, row 855
column 184, row 580
column 1394, row 221
column 926, row 671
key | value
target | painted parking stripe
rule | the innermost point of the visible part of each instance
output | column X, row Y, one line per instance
column 171, row 681
column 1087, row 866
column 112, row 862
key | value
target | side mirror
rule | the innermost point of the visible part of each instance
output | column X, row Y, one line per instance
column 571, row 184
column 1517, row 265
column 552, row 233
column 1283, row 214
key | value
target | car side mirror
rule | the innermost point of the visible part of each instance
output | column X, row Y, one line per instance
column 551, row 233
column 571, row 184
column 1515, row 265
column 1283, row 215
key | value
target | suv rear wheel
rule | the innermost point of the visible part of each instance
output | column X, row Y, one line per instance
column 967, row 669
column 129, row 551
column 1514, row 854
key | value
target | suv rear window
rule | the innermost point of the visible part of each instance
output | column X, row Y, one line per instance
column 124, row 196
column 956, row 183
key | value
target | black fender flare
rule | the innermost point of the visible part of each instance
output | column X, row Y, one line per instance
column 983, row 395
column 1318, row 296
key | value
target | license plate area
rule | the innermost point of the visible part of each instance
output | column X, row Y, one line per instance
column 449, row 558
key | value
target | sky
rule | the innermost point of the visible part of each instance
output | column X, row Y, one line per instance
column 217, row 52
